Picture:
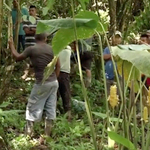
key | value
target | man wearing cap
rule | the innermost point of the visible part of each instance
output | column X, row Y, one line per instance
column 109, row 68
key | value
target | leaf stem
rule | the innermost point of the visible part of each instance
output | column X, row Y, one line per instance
column 87, row 104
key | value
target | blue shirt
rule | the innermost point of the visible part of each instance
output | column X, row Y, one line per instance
column 109, row 68
column 24, row 11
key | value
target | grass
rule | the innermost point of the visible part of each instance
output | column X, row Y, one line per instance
column 74, row 135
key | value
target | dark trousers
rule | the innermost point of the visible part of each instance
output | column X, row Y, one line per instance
column 21, row 42
column 64, row 90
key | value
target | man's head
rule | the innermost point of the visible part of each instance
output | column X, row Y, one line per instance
column 15, row 3
column 116, row 38
column 32, row 11
column 41, row 37
column 144, row 39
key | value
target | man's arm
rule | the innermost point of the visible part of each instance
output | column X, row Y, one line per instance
column 16, row 55
column 107, row 56
column 57, row 67
column 28, row 31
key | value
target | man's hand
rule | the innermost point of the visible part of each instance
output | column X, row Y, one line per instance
column 16, row 3
column 16, row 55
column 33, row 29
column 11, row 42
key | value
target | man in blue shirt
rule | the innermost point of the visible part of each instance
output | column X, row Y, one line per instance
column 21, row 36
column 109, row 68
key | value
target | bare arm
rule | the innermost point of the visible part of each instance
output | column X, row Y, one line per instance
column 107, row 56
column 33, row 29
column 57, row 68
column 28, row 31
column 16, row 55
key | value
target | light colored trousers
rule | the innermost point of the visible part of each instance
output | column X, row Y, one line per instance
column 43, row 97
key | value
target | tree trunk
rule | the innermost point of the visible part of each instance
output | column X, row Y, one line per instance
column 112, row 14
column 1, row 23
column 17, row 25
column 10, row 26
column 5, row 72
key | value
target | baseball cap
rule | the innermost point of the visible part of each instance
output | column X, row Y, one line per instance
column 118, row 33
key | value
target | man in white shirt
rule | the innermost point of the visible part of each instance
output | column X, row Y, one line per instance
column 64, row 79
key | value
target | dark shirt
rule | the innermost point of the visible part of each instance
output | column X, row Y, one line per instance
column 41, row 55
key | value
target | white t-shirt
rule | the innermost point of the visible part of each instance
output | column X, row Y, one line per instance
column 64, row 58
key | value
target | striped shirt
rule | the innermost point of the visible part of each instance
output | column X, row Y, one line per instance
column 29, row 38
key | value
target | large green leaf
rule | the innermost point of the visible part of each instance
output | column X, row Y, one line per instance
column 65, row 36
column 32, row 19
column 91, row 15
column 134, row 47
column 65, row 24
column 85, row 23
column 140, row 59
column 124, row 67
column 121, row 140
column 41, row 27
column 87, row 15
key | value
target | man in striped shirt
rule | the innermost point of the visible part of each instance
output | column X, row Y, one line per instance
column 30, row 28
column 30, row 31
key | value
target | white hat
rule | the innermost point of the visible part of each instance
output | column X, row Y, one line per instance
column 118, row 33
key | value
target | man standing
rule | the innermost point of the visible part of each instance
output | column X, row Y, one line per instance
column 86, row 57
column 29, row 28
column 43, row 95
column 30, row 31
column 21, row 36
column 64, row 80
column 109, row 68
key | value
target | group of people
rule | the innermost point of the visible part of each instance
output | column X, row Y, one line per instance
column 109, row 67
column 43, row 97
